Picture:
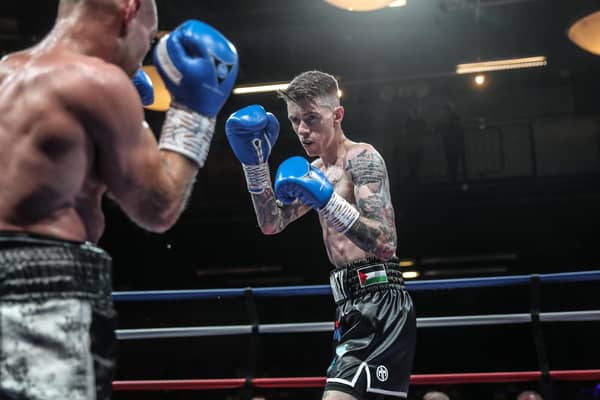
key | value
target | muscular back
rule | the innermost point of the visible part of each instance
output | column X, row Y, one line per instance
column 48, row 182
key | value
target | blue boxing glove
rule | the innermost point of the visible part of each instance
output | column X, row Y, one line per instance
column 296, row 178
column 143, row 84
column 252, row 133
column 198, row 66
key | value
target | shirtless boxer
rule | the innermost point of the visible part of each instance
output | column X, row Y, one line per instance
column 72, row 129
column 347, row 183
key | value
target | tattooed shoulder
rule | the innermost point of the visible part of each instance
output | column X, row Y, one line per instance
column 367, row 167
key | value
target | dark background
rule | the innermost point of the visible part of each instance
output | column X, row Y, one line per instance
column 529, row 203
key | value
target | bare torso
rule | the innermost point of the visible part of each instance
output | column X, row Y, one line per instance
column 340, row 249
column 49, row 184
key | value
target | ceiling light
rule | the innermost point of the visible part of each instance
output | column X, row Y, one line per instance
column 497, row 65
column 162, row 97
column 397, row 3
column 269, row 87
column 479, row 79
column 360, row 5
column 406, row 263
column 585, row 33
column 410, row 274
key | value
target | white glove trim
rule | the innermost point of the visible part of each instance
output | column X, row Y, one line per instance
column 268, row 142
column 188, row 133
column 166, row 63
column 339, row 213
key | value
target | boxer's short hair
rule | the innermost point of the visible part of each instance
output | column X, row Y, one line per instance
column 312, row 85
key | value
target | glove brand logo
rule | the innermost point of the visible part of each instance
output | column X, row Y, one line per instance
column 223, row 70
column 382, row 373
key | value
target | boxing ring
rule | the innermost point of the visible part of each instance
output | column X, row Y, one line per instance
column 535, row 318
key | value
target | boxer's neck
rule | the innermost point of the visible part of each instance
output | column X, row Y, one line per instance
column 88, row 31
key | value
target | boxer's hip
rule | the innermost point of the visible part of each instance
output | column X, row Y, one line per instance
column 38, row 267
column 57, row 321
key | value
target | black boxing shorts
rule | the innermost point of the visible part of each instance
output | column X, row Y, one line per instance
column 57, row 321
column 375, row 331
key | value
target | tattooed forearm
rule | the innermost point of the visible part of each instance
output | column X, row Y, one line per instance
column 272, row 218
column 363, row 235
column 372, row 239
column 267, row 212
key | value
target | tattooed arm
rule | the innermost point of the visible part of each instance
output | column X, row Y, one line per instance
column 271, row 217
column 375, row 230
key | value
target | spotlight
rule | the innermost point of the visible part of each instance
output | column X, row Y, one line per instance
column 499, row 65
column 585, row 33
column 410, row 274
column 360, row 5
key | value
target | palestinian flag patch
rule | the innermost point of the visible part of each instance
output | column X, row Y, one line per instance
column 372, row 275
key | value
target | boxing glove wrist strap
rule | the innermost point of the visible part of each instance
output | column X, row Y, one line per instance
column 339, row 213
column 258, row 177
column 188, row 133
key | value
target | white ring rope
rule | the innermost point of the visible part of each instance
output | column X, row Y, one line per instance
column 430, row 322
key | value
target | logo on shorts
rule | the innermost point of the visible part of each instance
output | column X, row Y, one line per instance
column 382, row 373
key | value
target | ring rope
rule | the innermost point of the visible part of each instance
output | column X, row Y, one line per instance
column 312, row 290
column 317, row 382
column 430, row 322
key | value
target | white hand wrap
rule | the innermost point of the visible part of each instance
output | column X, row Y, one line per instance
column 258, row 177
column 188, row 133
column 339, row 213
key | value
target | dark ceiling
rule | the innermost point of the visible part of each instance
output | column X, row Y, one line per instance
column 277, row 39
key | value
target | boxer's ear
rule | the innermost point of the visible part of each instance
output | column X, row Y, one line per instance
column 129, row 10
column 338, row 115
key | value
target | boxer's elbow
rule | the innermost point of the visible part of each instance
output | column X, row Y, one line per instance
column 269, row 224
column 266, row 230
column 269, row 229
column 158, row 217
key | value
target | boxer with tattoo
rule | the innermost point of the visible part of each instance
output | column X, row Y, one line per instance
column 347, row 184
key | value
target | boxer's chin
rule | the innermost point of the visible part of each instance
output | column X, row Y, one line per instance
column 310, row 150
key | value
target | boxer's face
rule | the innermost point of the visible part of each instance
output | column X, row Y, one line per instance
column 315, row 124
